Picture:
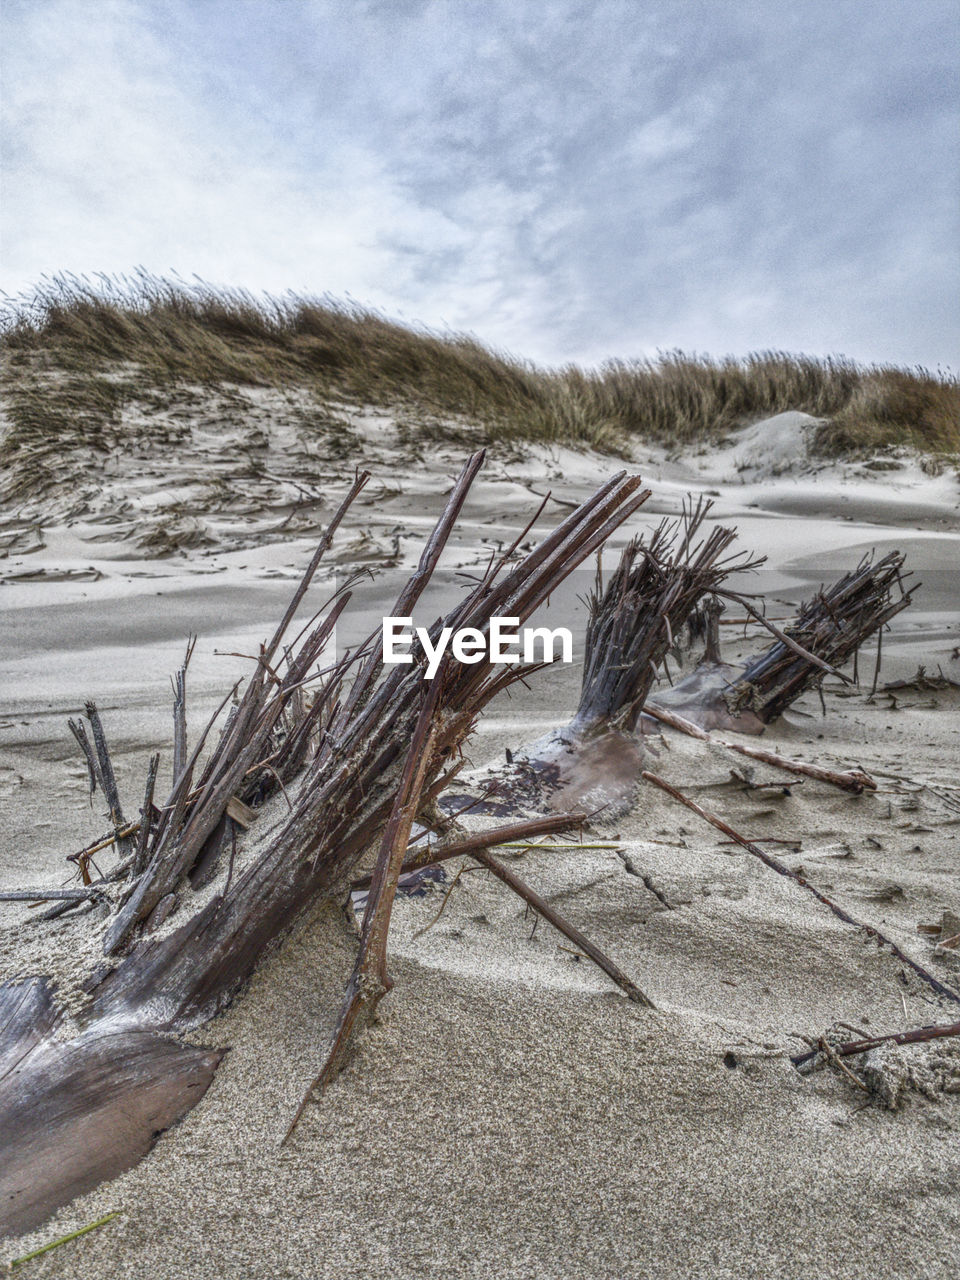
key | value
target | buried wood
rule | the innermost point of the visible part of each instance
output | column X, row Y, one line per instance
column 829, row 629
column 633, row 625
column 74, row 1111
column 634, row 619
column 344, row 758
column 920, row 1035
column 854, row 781
column 782, row 869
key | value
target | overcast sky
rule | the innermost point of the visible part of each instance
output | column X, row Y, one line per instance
column 569, row 181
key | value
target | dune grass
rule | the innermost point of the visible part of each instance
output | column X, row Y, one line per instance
column 74, row 349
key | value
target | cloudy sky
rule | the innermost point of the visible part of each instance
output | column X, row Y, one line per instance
column 567, row 180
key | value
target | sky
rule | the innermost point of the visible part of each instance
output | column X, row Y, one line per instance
column 569, row 181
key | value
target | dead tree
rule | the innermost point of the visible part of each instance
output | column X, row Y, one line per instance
column 829, row 630
column 635, row 621
column 373, row 749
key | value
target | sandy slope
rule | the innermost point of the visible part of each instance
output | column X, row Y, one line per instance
column 513, row 1115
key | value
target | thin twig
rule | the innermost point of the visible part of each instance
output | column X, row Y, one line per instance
column 446, row 898
column 782, row 869
column 919, row 1036
column 543, row 908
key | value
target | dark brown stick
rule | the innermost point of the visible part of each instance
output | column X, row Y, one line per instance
column 469, row 844
column 783, row 870
column 414, row 587
column 359, row 481
column 853, row 780
column 579, row 939
column 370, row 981
column 920, row 1036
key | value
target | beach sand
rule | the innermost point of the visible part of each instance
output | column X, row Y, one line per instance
column 512, row 1114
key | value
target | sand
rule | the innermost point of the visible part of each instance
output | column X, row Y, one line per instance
column 512, row 1114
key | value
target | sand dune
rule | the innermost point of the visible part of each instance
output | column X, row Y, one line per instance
column 513, row 1114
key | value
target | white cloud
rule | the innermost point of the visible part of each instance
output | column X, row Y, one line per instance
column 567, row 180
column 114, row 164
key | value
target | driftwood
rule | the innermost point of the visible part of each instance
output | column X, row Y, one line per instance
column 829, row 630
column 659, row 588
column 370, row 753
column 373, row 749
column 635, row 622
column 75, row 1111
column 634, row 619
column 855, row 781
column 48, row 895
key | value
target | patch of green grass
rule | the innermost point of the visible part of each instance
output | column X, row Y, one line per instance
column 74, row 349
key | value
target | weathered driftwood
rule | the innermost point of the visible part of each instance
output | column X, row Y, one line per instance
column 343, row 758
column 634, row 619
column 634, row 623
column 855, row 781
column 829, row 630
column 76, row 1110
column 47, row 895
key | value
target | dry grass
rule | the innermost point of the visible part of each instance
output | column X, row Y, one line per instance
column 75, row 349
column 896, row 407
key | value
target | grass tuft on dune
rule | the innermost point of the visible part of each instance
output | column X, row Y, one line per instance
column 76, row 350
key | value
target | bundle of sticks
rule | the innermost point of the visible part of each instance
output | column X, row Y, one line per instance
column 831, row 626
column 359, row 761
column 657, row 585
